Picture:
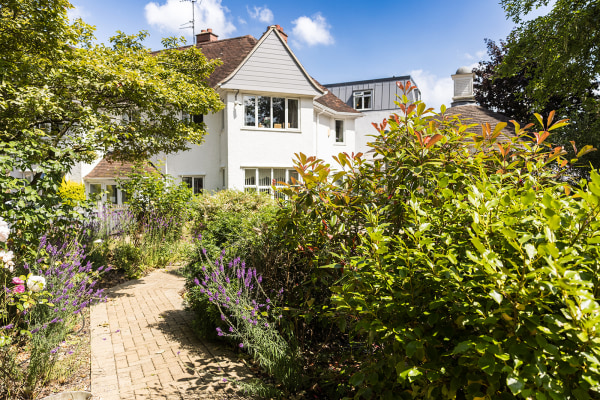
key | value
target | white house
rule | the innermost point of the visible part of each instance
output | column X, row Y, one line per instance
column 273, row 109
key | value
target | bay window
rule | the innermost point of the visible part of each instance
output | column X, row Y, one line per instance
column 271, row 112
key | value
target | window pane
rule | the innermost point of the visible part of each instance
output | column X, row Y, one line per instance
column 264, row 112
column 124, row 196
column 95, row 188
column 367, row 100
column 249, row 111
column 278, row 112
column 198, row 119
column 198, row 185
column 293, row 174
column 187, row 180
column 358, row 103
column 250, row 177
column 264, row 177
column 292, row 113
column 279, row 177
column 339, row 131
column 111, row 196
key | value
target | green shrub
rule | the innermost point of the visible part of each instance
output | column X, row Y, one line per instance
column 128, row 258
column 469, row 269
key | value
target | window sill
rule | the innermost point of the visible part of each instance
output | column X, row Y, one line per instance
column 251, row 128
column 339, row 144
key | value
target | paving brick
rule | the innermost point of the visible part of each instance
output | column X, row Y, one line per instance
column 154, row 354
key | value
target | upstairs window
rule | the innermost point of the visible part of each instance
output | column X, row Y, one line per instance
column 362, row 100
column 339, row 131
column 271, row 112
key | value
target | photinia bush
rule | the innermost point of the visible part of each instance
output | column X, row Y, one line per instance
column 468, row 266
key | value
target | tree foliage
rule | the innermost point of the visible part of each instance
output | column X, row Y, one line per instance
column 65, row 99
column 553, row 62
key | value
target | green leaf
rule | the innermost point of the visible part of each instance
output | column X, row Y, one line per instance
column 515, row 384
column 496, row 296
column 357, row 379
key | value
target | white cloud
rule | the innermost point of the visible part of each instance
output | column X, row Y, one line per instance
column 77, row 12
column 435, row 90
column 169, row 17
column 312, row 31
column 263, row 14
column 477, row 57
column 242, row 21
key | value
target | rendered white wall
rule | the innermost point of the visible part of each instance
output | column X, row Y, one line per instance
column 268, row 148
column 326, row 145
column 203, row 160
column 364, row 128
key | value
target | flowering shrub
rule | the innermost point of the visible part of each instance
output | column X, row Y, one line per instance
column 72, row 193
column 36, row 311
column 248, row 316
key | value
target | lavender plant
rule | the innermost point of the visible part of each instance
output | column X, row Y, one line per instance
column 249, row 316
column 37, row 311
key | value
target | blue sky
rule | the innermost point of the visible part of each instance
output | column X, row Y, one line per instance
column 336, row 41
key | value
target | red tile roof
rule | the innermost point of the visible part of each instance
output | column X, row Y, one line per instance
column 234, row 50
column 231, row 51
column 113, row 169
column 474, row 114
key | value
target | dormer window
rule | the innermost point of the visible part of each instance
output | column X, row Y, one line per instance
column 362, row 100
column 271, row 112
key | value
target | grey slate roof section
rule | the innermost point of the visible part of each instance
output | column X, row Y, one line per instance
column 384, row 91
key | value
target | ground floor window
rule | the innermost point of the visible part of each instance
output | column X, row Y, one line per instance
column 196, row 183
column 107, row 193
column 263, row 179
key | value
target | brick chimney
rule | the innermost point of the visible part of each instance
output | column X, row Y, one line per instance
column 280, row 29
column 206, row 35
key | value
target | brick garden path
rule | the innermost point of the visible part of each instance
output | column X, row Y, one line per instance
column 143, row 346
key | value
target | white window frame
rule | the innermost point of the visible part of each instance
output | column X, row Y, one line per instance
column 343, row 139
column 104, row 192
column 286, row 112
column 258, row 188
column 195, row 177
column 362, row 94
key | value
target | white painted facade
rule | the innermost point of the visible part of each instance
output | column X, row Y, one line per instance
column 233, row 152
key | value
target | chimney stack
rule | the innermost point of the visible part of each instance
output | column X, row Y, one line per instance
column 206, row 35
column 280, row 29
column 463, row 87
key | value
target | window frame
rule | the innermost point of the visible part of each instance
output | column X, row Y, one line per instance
column 343, row 132
column 120, row 195
column 271, row 98
column 258, row 188
column 362, row 94
column 194, row 178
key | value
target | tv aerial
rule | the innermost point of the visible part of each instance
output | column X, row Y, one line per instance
column 192, row 22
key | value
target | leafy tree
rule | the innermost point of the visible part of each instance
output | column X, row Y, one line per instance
column 553, row 61
column 65, row 99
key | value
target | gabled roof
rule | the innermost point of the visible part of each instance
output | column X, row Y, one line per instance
column 234, row 52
